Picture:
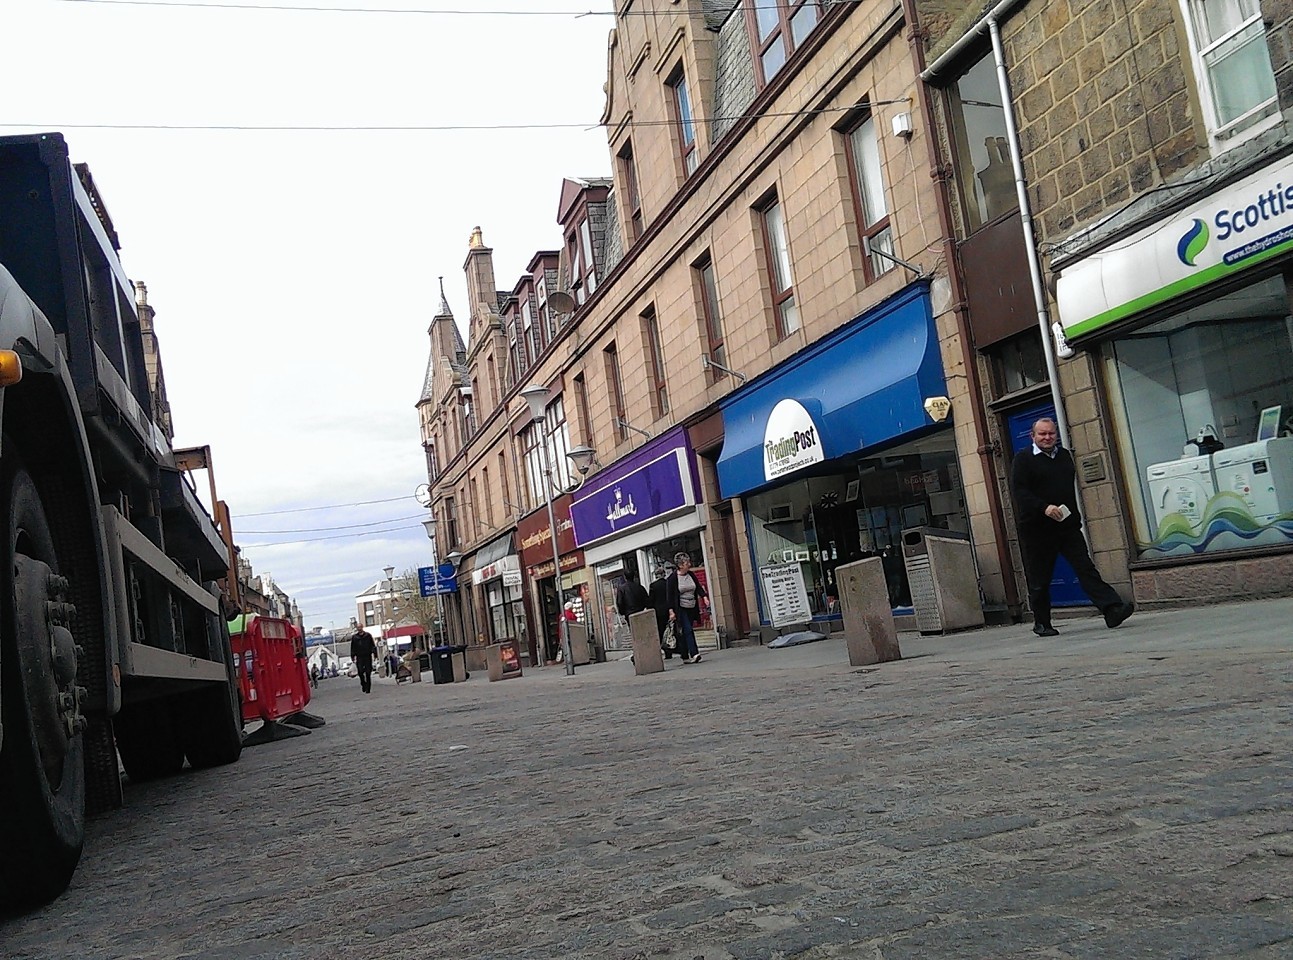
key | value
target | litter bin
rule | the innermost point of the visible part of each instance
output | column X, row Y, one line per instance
column 442, row 664
column 944, row 581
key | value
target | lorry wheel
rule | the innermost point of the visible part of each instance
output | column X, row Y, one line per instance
column 42, row 775
column 211, row 725
column 147, row 742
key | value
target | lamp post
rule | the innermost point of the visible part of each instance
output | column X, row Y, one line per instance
column 537, row 397
column 429, row 524
column 583, row 456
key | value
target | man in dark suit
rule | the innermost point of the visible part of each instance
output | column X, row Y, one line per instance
column 659, row 602
column 363, row 649
column 1043, row 479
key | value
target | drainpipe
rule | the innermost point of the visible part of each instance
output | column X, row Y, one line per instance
column 989, row 24
column 985, row 450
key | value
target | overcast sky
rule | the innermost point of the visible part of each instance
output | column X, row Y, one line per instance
column 294, row 272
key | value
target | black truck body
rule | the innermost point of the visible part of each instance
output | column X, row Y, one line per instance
column 113, row 640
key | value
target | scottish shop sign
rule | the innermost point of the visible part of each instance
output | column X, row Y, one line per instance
column 1235, row 229
column 791, row 440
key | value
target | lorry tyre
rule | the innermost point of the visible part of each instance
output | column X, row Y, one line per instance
column 147, row 742
column 42, row 775
column 212, row 718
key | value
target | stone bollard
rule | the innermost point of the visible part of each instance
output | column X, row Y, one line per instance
column 869, row 629
column 647, row 656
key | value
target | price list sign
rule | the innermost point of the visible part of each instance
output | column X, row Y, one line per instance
column 786, row 596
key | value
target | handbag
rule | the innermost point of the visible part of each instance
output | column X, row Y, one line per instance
column 671, row 637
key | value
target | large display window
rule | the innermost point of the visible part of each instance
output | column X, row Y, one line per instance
column 852, row 509
column 1202, row 405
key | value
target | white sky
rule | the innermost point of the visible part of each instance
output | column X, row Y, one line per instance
column 294, row 272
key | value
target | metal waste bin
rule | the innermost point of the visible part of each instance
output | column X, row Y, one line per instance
column 943, row 579
column 442, row 664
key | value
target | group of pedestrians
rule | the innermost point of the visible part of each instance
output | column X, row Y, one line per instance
column 678, row 599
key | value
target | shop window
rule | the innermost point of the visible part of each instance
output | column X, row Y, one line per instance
column 711, row 314
column 869, row 202
column 1202, row 406
column 777, row 245
column 856, row 512
column 1232, row 65
column 777, row 30
column 655, row 358
column 684, row 122
column 984, row 174
column 1021, row 362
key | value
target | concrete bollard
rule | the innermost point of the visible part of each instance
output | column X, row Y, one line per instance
column 647, row 657
column 869, row 630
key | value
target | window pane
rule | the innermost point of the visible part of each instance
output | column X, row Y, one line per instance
column 866, row 160
column 683, row 100
column 586, row 239
column 982, row 161
column 712, row 317
column 882, row 241
column 789, row 316
column 773, row 60
column 802, row 23
column 1216, row 18
column 1240, row 73
column 780, row 248
column 768, row 17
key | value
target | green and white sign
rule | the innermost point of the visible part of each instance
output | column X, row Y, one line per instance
column 1236, row 229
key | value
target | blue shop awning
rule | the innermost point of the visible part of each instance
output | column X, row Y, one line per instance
column 863, row 386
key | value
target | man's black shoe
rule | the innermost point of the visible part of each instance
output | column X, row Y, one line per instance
column 1045, row 630
column 1116, row 615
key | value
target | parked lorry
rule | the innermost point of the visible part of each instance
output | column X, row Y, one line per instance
column 113, row 640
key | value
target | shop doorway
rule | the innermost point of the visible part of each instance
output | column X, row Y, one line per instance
column 1065, row 589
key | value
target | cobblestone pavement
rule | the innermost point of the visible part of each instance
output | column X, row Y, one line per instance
column 1110, row 794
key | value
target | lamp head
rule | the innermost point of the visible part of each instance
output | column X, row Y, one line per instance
column 429, row 525
column 583, row 457
column 454, row 558
column 536, row 396
column 390, row 571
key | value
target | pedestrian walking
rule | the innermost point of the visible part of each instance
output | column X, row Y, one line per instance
column 363, row 649
column 658, row 594
column 631, row 597
column 1044, row 481
column 686, row 596
column 314, row 675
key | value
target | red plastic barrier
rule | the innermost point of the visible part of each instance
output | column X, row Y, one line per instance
column 270, row 655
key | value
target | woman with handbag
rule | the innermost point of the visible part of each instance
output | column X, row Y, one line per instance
column 684, row 595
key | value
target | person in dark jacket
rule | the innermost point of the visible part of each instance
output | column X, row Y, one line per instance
column 363, row 650
column 686, row 597
column 659, row 600
column 631, row 597
column 1043, row 479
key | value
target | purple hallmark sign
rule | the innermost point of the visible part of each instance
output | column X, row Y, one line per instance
column 652, row 490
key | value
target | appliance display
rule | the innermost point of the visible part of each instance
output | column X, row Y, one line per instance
column 1181, row 486
column 1261, row 473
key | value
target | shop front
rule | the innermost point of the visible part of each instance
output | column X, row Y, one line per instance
column 534, row 537
column 497, row 577
column 633, row 518
column 843, row 448
column 1191, row 325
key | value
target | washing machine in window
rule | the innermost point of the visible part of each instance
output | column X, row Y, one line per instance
column 1261, row 473
column 1181, row 486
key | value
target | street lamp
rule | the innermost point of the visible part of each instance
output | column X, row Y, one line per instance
column 388, row 617
column 429, row 524
column 583, row 457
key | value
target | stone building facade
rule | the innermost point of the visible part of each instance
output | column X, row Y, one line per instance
column 757, row 326
column 1154, row 149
